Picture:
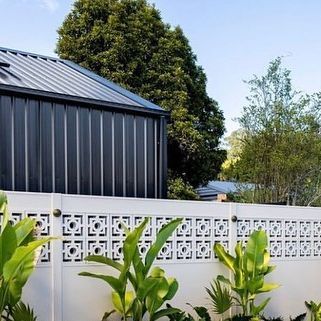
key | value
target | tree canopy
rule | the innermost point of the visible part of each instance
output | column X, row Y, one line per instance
column 127, row 42
column 279, row 144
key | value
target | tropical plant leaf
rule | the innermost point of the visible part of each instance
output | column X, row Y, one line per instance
column 254, row 251
column 104, row 260
column 220, row 297
column 173, row 288
column 8, row 245
column 257, row 309
column 118, row 304
column 13, row 274
column 24, row 231
column 107, row 315
column 112, row 281
column 22, row 312
column 4, row 209
column 162, row 236
column 129, row 247
column 227, row 259
column 267, row 287
column 164, row 313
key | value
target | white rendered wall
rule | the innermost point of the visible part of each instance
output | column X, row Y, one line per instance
column 89, row 224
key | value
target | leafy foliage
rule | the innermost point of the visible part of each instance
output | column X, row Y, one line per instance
column 18, row 252
column 22, row 312
column 314, row 310
column 151, row 288
column 178, row 189
column 127, row 42
column 200, row 311
column 220, row 297
column 249, row 268
column 278, row 147
column 300, row 317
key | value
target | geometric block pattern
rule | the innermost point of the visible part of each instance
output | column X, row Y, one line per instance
column 85, row 234
column 42, row 229
column 288, row 238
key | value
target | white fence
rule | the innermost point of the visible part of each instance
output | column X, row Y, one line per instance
column 91, row 224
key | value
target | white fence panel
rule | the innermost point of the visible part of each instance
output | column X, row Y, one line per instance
column 91, row 225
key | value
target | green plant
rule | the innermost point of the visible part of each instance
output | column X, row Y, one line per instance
column 22, row 312
column 220, row 297
column 299, row 317
column 249, row 268
column 151, row 288
column 18, row 251
column 314, row 310
column 201, row 312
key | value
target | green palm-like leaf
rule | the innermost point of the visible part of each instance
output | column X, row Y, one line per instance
column 22, row 312
column 220, row 297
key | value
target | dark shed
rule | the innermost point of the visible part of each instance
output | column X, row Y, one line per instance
column 64, row 129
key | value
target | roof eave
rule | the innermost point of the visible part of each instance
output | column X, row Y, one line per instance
column 80, row 100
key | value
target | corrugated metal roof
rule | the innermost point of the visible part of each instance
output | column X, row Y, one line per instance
column 214, row 188
column 59, row 76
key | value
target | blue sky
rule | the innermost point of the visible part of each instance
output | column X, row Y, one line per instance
column 233, row 39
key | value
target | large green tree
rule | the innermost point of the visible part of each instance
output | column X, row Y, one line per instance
column 279, row 148
column 127, row 42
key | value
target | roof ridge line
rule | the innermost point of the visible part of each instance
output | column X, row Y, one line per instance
column 29, row 53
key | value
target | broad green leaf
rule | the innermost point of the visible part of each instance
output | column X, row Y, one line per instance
column 4, row 209
column 270, row 269
column 202, row 312
column 239, row 276
column 104, row 260
column 223, row 279
column 253, row 285
column 117, row 302
column 227, row 259
column 172, row 290
column 267, row 287
column 161, row 238
column 24, row 231
column 137, row 310
column 257, row 309
column 254, row 251
column 157, row 272
column 163, row 313
column 130, row 245
column 146, row 286
column 22, row 256
column 112, row 281
column 8, row 244
column 107, row 315
column 138, row 268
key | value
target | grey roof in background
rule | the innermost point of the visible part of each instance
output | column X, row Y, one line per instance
column 53, row 75
column 214, row 188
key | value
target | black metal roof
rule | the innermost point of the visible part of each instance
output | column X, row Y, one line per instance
column 33, row 72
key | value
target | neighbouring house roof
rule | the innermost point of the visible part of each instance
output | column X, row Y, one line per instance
column 23, row 70
column 214, row 188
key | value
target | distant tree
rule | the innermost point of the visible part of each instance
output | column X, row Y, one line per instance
column 127, row 42
column 281, row 143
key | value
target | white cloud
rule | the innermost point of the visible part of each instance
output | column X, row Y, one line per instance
column 51, row 5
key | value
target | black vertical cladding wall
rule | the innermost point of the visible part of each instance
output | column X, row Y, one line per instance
column 49, row 146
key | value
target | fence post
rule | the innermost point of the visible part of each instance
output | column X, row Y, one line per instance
column 233, row 226
column 56, row 258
